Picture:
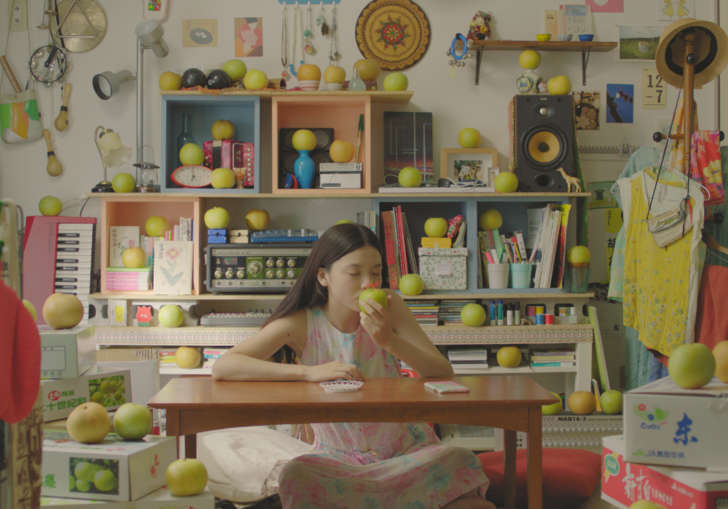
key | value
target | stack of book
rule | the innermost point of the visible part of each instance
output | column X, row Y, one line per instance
column 118, row 278
column 424, row 311
column 166, row 357
column 449, row 313
column 547, row 229
column 468, row 361
column 399, row 250
column 553, row 357
column 210, row 355
column 368, row 218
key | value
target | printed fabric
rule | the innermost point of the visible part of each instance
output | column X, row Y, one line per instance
column 705, row 166
column 372, row 465
column 660, row 284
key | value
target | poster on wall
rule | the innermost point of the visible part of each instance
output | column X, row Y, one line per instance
column 620, row 104
column 248, row 37
column 606, row 5
column 654, row 91
column 586, row 110
column 601, row 197
column 200, row 33
column 638, row 42
column 673, row 10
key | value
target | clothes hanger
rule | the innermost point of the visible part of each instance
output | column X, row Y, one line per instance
column 711, row 243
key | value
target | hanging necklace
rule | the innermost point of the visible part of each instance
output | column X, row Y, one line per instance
column 297, row 31
column 308, row 33
column 334, row 51
column 284, row 42
column 321, row 20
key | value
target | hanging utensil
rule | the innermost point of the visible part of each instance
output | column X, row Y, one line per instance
column 48, row 64
column 82, row 25
column 11, row 75
column 61, row 122
column 54, row 167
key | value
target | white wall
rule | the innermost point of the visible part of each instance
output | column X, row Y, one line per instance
column 454, row 101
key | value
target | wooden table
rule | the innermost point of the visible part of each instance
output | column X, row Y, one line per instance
column 198, row 404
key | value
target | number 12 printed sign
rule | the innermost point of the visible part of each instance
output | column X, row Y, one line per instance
column 654, row 91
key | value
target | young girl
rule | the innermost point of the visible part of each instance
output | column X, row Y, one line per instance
column 356, row 465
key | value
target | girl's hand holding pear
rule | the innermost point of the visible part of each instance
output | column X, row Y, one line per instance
column 375, row 319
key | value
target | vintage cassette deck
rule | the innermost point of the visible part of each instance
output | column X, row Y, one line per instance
column 255, row 268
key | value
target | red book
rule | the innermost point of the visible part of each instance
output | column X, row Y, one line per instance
column 402, row 247
column 389, row 249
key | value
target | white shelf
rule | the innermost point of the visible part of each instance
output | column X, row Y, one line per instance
column 521, row 370
column 176, row 370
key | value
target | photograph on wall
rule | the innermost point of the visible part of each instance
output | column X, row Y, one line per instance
column 248, row 37
column 673, row 10
column 586, row 110
column 606, row 5
column 407, row 142
column 620, row 104
column 200, row 33
column 638, row 42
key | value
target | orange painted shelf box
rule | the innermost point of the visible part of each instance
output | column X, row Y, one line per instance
column 134, row 211
column 338, row 113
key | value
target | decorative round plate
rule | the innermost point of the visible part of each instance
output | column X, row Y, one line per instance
column 342, row 385
column 395, row 33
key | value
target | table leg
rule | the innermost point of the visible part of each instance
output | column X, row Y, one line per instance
column 535, row 465
column 172, row 429
column 190, row 446
column 509, row 468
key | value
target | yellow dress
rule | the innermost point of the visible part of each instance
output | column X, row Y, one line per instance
column 657, row 281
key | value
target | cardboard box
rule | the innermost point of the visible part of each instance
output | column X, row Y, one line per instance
column 135, row 468
column 160, row 499
column 66, row 353
column 61, row 396
column 667, row 425
column 625, row 483
column 444, row 269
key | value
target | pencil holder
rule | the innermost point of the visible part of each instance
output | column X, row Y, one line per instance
column 521, row 275
column 498, row 275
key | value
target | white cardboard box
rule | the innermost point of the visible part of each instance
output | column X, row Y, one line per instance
column 625, row 483
column 160, row 499
column 138, row 467
column 667, row 425
column 66, row 353
column 61, row 396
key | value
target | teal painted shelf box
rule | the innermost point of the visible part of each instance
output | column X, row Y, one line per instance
column 203, row 111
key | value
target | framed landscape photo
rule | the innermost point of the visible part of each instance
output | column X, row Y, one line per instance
column 468, row 164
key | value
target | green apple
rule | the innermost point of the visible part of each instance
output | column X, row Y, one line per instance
column 31, row 309
column 611, row 402
column 396, row 82
column 50, row 206
column 170, row 81
column 85, row 471
column 435, row 227
column 235, row 68
column 509, row 357
column 187, row 357
column 257, row 219
column 553, row 408
column 132, row 421
column 71, row 483
column 472, row 315
column 691, row 366
column 559, row 85
column 411, row 284
column 410, row 177
column 104, row 480
column 469, row 137
column 155, row 226
column 82, row 485
column 529, row 59
column 222, row 178
column 223, row 130
column 376, row 295
column 490, row 220
column 134, row 258
column 217, row 218
column 506, row 182
column 578, row 254
column 646, row 504
column 191, row 154
column 303, row 139
column 123, row 183
column 343, row 221
column 186, row 477
column 171, row 316
column 255, row 80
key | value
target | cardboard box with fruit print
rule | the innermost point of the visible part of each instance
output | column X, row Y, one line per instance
column 67, row 353
column 113, row 469
column 160, row 499
column 108, row 387
column 667, row 425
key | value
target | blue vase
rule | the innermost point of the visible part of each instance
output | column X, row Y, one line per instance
column 304, row 169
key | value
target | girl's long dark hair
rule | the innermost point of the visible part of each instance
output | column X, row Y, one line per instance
column 337, row 242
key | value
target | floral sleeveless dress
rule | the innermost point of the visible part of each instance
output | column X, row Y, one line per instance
column 372, row 465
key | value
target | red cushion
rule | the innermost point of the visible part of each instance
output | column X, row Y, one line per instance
column 569, row 477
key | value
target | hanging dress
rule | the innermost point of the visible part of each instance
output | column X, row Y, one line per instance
column 660, row 284
column 372, row 465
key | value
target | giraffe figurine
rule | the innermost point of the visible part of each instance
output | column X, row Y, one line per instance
column 570, row 181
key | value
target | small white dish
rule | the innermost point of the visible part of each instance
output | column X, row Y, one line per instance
column 341, row 385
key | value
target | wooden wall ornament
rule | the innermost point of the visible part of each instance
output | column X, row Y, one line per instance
column 395, row 33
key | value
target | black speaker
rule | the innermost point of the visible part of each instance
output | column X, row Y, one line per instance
column 544, row 142
column 287, row 155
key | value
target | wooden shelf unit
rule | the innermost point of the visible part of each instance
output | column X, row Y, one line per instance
column 377, row 96
column 361, row 196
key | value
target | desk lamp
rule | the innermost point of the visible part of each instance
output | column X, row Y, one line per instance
column 113, row 154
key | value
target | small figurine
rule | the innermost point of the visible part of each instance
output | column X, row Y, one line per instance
column 144, row 316
column 480, row 26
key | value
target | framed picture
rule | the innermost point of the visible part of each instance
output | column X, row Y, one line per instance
column 638, row 42
column 468, row 164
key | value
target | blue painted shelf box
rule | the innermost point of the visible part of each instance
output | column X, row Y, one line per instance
column 243, row 112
